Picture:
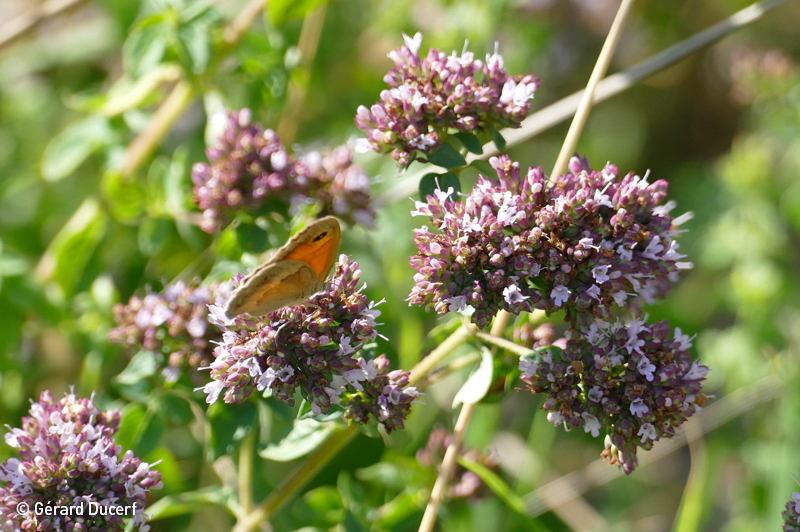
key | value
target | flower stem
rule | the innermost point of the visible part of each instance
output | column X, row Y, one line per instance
column 163, row 119
column 25, row 23
column 246, row 453
column 502, row 343
column 585, row 106
column 451, row 343
column 451, row 454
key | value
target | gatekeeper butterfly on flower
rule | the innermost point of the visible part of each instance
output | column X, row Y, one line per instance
column 290, row 276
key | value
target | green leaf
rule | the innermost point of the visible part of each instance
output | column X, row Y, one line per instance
column 351, row 492
column 12, row 265
column 70, row 148
column 228, row 424
column 173, row 408
column 324, row 501
column 169, row 468
column 145, row 46
column 499, row 140
column 305, row 436
column 496, row 484
column 194, row 37
column 402, row 507
column 386, row 474
column 447, row 157
column 141, row 366
column 140, row 430
column 190, row 502
column 104, row 293
column 127, row 94
column 478, row 383
column 195, row 11
column 127, row 199
column 351, row 524
column 470, row 141
column 72, row 247
column 432, row 182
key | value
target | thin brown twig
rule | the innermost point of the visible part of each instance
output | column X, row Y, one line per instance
column 443, row 350
column 241, row 23
column 600, row 68
column 451, row 454
column 502, row 343
column 307, row 44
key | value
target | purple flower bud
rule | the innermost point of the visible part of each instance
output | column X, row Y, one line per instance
column 172, row 324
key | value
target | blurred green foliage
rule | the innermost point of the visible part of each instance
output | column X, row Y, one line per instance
column 79, row 233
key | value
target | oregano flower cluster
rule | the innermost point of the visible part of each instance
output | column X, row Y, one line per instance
column 585, row 243
column 250, row 170
column 636, row 381
column 67, row 457
column 433, row 96
column 312, row 348
column 173, row 324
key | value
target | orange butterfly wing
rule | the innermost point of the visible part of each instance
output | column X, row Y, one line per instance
column 292, row 274
column 278, row 285
column 316, row 246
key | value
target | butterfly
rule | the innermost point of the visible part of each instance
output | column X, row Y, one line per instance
column 293, row 274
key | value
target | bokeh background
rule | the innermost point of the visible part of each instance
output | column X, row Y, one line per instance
column 723, row 127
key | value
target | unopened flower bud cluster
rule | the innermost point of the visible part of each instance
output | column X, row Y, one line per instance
column 249, row 170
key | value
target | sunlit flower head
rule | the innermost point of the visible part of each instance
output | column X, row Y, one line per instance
column 584, row 243
column 432, row 96
column 635, row 382
column 67, row 457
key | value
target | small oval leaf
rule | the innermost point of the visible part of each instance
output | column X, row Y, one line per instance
column 305, row 436
column 447, row 157
column 470, row 142
column 478, row 383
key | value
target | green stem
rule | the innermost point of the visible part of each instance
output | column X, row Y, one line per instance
column 435, row 357
column 162, row 121
column 502, row 343
column 296, row 480
column 246, row 454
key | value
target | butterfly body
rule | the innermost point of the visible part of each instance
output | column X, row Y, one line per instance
column 293, row 274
